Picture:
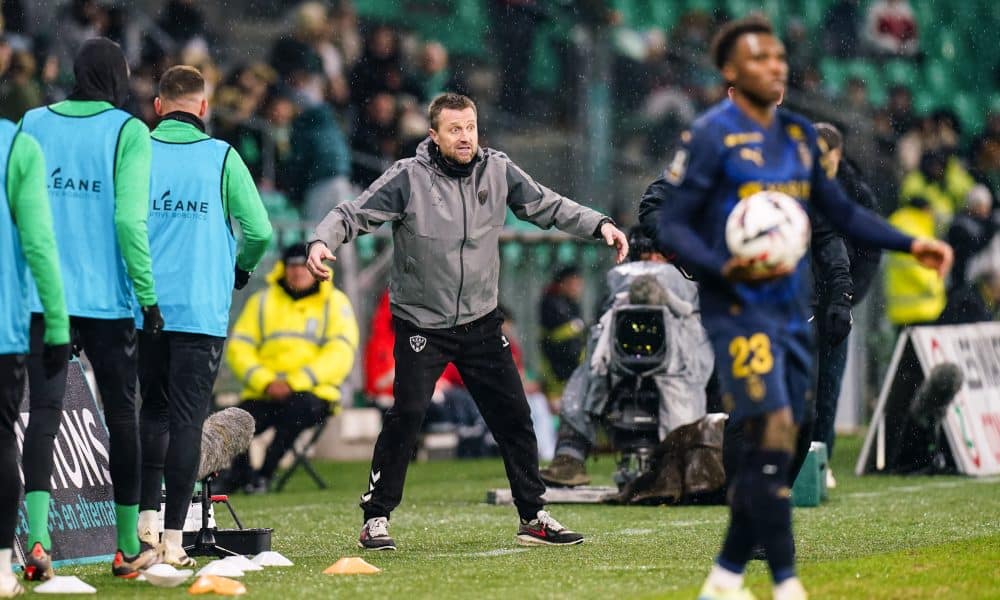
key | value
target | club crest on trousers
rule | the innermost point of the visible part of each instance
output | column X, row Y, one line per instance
column 417, row 342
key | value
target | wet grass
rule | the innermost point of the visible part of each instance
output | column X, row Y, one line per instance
column 877, row 537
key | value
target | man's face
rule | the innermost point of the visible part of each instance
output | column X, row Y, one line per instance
column 457, row 134
column 758, row 68
column 298, row 277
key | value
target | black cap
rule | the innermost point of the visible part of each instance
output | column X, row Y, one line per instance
column 294, row 255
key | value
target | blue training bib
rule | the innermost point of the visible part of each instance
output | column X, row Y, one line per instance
column 80, row 157
column 190, row 237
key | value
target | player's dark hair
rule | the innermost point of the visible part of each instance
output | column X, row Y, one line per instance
column 727, row 35
column 831, row 135
column 180, row 81
column 449, row 100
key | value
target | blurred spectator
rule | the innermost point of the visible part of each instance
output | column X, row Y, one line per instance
column 319, row 165
column 412, row 125
column 182, row 20
column 432, row 76
column 78, row 21
column 900, row 110
column 235, row 107
column 840, row 29
column 914, row 294
column 985, row 152
column 563, row 330
column 971, row 231
column 855, row 96
column 513, row 24
column 292, row 54
column 891, row 28
column 942, row 181
column 309, row 45
column 802, row 51
column 938, row 131
column 292, row 347
column 278, row 112
column 15, row 19
column 380, row 68
column 345, row 35
column 19, row 90
column 375, row 141
column 974, row 301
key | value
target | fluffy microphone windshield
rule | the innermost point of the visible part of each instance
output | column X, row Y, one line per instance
column 225, row 435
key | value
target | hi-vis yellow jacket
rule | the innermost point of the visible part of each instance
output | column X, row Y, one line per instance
column 309, row 342
column 913, row 293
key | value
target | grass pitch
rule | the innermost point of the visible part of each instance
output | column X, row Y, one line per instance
column 877, row 537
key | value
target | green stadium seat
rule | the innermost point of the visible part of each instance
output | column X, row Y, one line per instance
column 542, row 256
column 834, row 74
column 566, row 253
column 969, row 112
column 924, row 101
column 939, row 77
column 901, row 72
column 512, row 253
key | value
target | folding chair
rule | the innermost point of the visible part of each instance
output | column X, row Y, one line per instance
column 301, row 459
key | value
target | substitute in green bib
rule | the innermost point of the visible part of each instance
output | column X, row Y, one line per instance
column 198, row 184
column 26, row 242
column 97, row 160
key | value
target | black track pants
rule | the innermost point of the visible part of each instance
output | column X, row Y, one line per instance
column 483, row 358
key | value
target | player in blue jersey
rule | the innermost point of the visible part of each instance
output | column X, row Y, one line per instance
column 757, row 320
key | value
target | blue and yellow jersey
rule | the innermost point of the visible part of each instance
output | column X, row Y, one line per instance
column 725, row 157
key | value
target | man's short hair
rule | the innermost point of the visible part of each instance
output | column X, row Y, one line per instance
column 451, row 101
column 830, row 135
column 181, row 81
column 725, row 39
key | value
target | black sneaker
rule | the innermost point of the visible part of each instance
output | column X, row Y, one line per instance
column 375, row 535
column 543, row 530
column 565, row 471
column 38, row 564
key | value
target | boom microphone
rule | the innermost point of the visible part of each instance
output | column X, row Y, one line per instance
column 936, row 393
column 225, row 435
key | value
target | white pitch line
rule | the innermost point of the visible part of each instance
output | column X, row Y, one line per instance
column 484, row 554
column 918, row 488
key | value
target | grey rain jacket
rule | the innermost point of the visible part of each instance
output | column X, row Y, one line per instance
column 446, row 231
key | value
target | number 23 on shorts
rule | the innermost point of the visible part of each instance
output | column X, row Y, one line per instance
column 751, row 356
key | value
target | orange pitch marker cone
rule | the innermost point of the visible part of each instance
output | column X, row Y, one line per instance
column 351, row 565
column 213, row 584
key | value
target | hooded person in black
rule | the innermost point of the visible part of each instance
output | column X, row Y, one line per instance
column 90, row 138
column 101, row 72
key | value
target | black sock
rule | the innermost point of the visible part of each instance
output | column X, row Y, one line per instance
column 765, row 488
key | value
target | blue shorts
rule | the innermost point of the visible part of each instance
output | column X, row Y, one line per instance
column 764, row 363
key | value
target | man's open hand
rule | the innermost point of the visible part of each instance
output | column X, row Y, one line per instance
column 614, row 237
column 318, row 252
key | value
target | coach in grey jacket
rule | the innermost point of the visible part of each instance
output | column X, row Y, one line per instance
column 447, row 206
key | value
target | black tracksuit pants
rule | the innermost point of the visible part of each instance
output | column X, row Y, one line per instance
column 110, row 346
column 12, row 374
column 45, row 397
column 176, row 375
column 483, row 358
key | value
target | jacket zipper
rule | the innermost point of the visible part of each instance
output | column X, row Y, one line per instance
column 461, row 253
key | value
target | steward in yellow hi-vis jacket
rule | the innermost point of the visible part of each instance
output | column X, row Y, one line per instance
column 292, row 347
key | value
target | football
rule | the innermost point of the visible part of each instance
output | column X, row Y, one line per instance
column 771, row 228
